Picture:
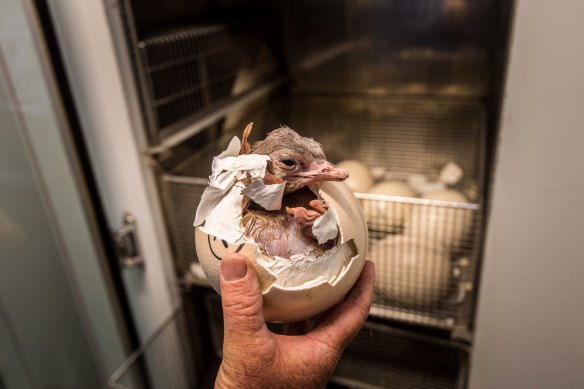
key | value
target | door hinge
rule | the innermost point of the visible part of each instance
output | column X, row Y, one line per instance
column 126, row 242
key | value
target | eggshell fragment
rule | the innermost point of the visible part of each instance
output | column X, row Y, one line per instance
column 360, row 179
column 388, row 215
column 441, row 225
column 410, row 272
column 451, row 174
column 290, row 294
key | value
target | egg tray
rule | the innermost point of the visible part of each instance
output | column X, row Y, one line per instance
column 403, row 136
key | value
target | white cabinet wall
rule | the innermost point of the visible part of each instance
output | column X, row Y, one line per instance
column 530, row 324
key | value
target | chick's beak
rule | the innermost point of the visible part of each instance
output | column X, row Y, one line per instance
column 325, row 171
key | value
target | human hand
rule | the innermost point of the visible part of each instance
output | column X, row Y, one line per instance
column 255, row 357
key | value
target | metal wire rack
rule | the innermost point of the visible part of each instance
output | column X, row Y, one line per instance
column 192, row 70
column 318, row 24
column 406, row 71
column 163, row 361
column 426, row 250
column 384, row 357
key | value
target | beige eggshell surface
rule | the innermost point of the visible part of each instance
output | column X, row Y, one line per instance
column 360, row 179
column 409, row 271
column 306, row 297
column 446, row 195
column 441, row 225
column 388, row 215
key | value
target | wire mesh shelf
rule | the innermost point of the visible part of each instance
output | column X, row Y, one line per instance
column 193, row 70
column 384, row 357
column 426, row 250
column 315, row 26
column 164, row 361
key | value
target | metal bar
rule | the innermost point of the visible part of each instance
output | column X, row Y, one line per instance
column 185, row 180
column 414, row 200
column 213, row 117
column 412, row 335
column 142, row 87
column 177, row 95
column 388, row 313
column 351, row 383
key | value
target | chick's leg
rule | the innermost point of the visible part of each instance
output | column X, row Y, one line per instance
column 304, row 218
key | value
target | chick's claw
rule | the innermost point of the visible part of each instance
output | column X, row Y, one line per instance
column 302, row 216
column 319, row 206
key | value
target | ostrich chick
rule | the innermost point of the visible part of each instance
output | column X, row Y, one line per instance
column 297, row 161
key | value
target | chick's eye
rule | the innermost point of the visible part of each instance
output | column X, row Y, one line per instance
column 288, row 162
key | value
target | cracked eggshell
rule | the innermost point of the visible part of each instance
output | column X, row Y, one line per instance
column 313, row 296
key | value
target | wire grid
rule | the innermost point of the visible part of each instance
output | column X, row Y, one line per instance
column 426, row 250
column 380, row 356
column 315, row 26
column 425, row 255
column 192, row 70
column 164, row 361
column 181, row 196
column 401, row 135
column 404, row 48
column 459, row 73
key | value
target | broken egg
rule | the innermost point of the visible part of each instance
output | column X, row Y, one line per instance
column 297, row 287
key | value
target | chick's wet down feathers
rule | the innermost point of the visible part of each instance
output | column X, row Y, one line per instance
column 297, row 161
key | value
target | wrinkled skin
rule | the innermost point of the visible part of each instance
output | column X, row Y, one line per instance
column 254, row 357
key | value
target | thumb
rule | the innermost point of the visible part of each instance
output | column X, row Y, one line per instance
column 241, row 298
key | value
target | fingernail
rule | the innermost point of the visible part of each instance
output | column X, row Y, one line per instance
column 233, row 269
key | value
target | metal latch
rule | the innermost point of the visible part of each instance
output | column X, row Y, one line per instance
column 126, row 243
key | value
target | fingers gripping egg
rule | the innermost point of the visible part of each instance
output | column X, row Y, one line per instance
column 280, row 203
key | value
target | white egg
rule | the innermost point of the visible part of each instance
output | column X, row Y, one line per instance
column 410, row 272
column 385, row 214
column 299, row 289
column 441, row 225
column 360, row 179
column 446, row 195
